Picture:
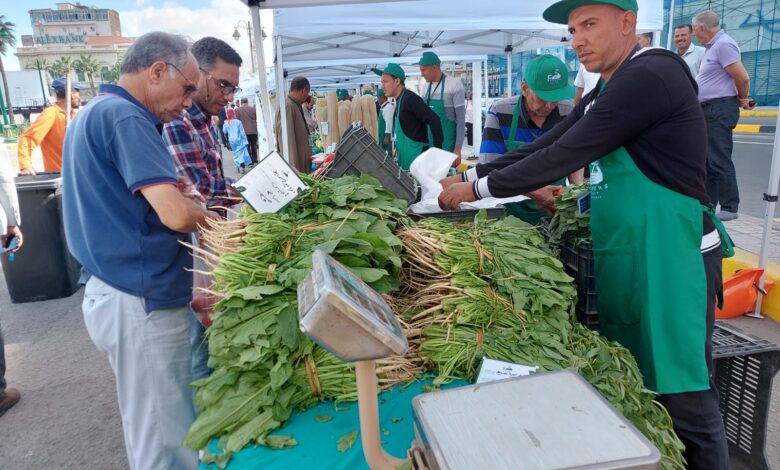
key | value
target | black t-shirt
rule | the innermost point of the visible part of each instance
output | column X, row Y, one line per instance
column 649, row 106
column 415, row 117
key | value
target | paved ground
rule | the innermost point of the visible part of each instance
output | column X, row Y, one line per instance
column 68, row 417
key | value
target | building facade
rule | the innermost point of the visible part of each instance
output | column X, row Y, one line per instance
column 73, row 23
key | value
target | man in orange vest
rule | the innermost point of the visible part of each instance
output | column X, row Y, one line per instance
column 48, row 131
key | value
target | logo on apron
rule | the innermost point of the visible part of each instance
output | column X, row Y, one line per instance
column 596, row 176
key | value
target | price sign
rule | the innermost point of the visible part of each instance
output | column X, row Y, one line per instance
column 492, row 370
column 271, row 185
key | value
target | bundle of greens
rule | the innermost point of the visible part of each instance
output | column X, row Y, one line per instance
column 492, row 289
column 567, row 226
column 264, row 368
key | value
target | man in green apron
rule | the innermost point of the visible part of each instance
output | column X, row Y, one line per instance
column 447, row 98
column 386, row 112
column 657, row 244
column 515, row 121
column 412, row 120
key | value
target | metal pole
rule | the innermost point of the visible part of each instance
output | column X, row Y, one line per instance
column 670, row 35
column 3, row 109
column 67, row 97
column 251, row 45
column 267, row 112
column 43, row 90
column 476, row 105
column 281, row 97
column 487, row 83
column 771, row 198
column 508, row 50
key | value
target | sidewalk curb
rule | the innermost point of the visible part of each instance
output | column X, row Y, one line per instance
column 743, row 259
column 744, row 113
column 754, row 129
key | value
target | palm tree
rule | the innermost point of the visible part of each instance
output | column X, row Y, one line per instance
column 86, row 64
column 113, row 72
column 7, row 41
column 41, row 66
column 61, row 67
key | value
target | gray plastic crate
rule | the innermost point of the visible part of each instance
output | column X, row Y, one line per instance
column 359, row 153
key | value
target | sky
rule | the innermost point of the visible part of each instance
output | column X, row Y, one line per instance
column 194, row 18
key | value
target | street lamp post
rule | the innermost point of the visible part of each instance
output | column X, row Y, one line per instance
column 237, row 36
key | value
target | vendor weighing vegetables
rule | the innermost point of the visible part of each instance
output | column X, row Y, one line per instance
column 447, row 98
column 657, row 249
column 412, row 119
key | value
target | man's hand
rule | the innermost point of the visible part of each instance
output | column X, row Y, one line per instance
column 456, row 151
column 27, row 171
column 187, row 189
column 746, row 103
column 451, row 197
column 545, row 198
column 450, row 180
column 13, row 231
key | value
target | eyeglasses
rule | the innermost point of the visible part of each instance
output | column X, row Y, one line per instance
column 225, row 86
column 190, row 88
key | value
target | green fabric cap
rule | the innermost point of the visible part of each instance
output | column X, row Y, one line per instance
column 559, row 12
column 429, row 58
column 342, row 93
column 380, row 92
column 391, row 69
column 548, row 78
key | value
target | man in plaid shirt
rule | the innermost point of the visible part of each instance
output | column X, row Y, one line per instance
column 191, row 138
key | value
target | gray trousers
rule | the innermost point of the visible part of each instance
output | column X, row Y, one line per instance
column 150, row 354
column 722, row 116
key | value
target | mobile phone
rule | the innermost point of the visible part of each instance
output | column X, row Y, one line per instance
column 752, row 103
column 10, row 244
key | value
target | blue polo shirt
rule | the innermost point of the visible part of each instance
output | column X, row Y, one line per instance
column 112, row 150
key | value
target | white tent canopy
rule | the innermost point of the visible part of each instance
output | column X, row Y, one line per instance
column 374, row 33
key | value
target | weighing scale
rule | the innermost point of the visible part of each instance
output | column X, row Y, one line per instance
column 552, row 420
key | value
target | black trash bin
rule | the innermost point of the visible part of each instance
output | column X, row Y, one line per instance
column 43, row 268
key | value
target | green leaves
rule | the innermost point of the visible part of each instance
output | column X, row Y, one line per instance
column 345, row 442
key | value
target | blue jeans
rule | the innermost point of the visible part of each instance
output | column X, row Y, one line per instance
column 200, row 349
column 722, row 116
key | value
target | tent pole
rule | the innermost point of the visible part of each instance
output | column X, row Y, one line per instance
column 281, row 97
column 670, row 34
column 508, row 49
column 487, row 83
column 476, row 105
column 770, row 197
column 266, row 113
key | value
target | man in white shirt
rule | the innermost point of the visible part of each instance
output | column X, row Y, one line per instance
column 691, row 54
column 584, row 82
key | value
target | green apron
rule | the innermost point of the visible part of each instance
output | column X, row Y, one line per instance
column 382, row 128
column 406, row 149
column 650, row 273
column 447, row 125
column 527, row 210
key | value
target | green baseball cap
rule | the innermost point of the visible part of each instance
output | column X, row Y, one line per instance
column 548, row 78
column 391, row 69
column 559, row 12
column 429, row 58
column 342, row 93
column 380, row 92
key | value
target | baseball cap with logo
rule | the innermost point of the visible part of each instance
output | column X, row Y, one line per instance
column 342, row 93
column 559, row 12
column 548, row 78
column 391, row 69
column 429, row 58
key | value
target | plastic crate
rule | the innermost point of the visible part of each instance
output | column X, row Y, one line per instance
column 460, row 216
column 744, row 368
column 578, row 263
column 359, row 153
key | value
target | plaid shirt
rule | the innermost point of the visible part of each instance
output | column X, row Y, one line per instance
column 193, row 142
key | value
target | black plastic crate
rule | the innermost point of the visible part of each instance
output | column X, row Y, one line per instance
column 466, row 215
column 744, row 368
column 578, row 263
column 359, row 153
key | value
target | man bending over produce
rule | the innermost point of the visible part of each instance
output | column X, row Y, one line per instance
column 657, row 250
